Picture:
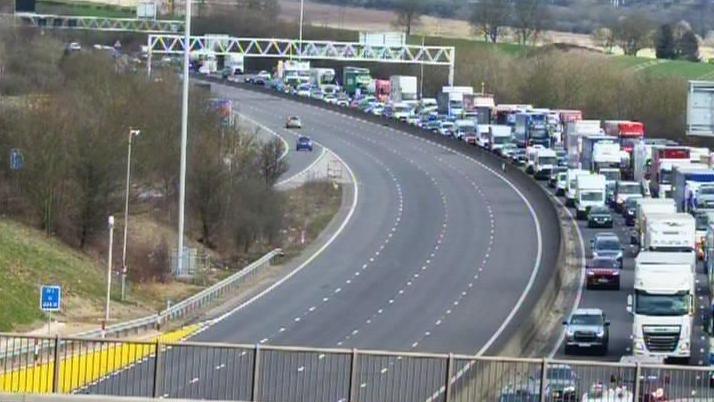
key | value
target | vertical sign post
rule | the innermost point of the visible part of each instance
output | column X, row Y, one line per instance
column 50, row 300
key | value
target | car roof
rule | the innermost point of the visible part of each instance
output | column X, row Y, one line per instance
column 588, row 311
column 606, row 235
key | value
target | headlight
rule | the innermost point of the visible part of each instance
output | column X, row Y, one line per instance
column 619, row 255
column 569, row 388
column 684, row 346
column 569, row 333
column 600, row 333
column 639, row 345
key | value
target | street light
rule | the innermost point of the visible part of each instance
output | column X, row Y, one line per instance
column 302, row 17
column 184, row 135
column 132, row 133
column 109, row 273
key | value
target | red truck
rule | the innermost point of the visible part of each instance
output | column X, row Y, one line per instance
column 629, row 132
column 382, row 90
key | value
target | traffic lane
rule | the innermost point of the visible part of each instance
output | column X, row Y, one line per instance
column 489, row 196
column 298, row 161
column 373, row 220
column 401, row 283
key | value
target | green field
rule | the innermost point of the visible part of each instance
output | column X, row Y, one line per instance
column 28, row 259
column 84, row 9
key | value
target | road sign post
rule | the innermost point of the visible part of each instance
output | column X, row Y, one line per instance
column 50, row 301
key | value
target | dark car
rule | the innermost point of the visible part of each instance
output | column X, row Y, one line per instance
column 629, row 211
column 603, row 272
column 303, row 144
column 527, row 392
column 519, row 157
column 599, row 217
column 607, row 245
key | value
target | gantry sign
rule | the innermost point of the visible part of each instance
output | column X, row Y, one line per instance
column 100, row 23
column 307, row 50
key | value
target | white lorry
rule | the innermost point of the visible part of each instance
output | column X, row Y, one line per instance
column 674, row 232
column 589, row 192
column 498, row 136
column 663, row 307
column 647, row 206
column 404, row 88
column 571, row 185
column 574, row 133
column 546, row 161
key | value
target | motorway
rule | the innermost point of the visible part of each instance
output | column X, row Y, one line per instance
column 440, row 254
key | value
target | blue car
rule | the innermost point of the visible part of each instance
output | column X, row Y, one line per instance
column 303, row 144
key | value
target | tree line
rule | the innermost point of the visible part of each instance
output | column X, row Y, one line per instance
column 73, row 133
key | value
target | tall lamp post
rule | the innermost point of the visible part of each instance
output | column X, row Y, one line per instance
column 184, row 136
column 132, row 133
column 302, row 19
column 109, row 274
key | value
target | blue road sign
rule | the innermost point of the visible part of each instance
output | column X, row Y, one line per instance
column 50, row 298
column 17, row 162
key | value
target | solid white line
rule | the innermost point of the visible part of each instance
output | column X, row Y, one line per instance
column 344, row 223
column 302, row 172
column 286, row 145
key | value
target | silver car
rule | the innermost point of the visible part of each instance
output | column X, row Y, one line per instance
column 587, row 329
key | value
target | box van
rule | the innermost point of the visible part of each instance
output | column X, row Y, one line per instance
column 589, row 192
column 570, row 185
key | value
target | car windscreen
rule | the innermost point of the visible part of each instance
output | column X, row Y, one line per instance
column 630, row 188
column 661, row 305
column 608, row 244
column 586, row 319
column 701, row 221
column 547, row 160
column 604, row 263
column 599, row 211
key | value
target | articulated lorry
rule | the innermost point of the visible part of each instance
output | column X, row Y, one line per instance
column 451, row 100
column 356, row 80
column 600, row 152
column 479, row 107
column 574, row 134
column 673, row 232
column 660, row 169
column 647, row 206
column 662, row 306
column 687, row 182
column 403, row 88
column 498, row 136
column 531, row 129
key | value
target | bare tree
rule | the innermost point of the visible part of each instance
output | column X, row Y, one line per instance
column 409, row 13
column 530, row 18
column 604, row 38
column 489, row 17
column 633, row 32
column 272, row 166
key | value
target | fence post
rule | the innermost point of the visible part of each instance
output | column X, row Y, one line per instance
column 352, row 396
column 157, row 369
column 543, row 379
column 254, row 394
column 56, row 369
column 449, row 374
column 637, row 381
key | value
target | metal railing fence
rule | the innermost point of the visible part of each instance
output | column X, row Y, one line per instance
column 277, row 373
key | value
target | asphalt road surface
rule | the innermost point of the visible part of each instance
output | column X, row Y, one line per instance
column 436, row 257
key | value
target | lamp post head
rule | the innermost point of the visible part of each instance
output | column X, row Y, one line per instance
column 111, row 221
column 133, row 132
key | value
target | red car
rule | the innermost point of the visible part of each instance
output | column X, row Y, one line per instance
column 603, row 272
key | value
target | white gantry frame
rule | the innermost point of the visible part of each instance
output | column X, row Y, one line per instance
column 52, row 21
column 307, row 50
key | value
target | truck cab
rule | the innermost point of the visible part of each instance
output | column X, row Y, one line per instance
column 663, row 307
column 499, row 135
column 589, row 192
column 571, row 185
column 545, row 162
column 531, row 157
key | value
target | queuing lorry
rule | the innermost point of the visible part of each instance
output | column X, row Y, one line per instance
column 403, row 88
column 498, row 136
column 546, row 160
column 687, row 180
column 600, row 152
column 589, row 192
column 646, row 206
column 669, row 232
column 451, row 100
column 663, row 310
column 531, row 129
column 660, row 169
column 574, row 133
column 479, row 107
column 506, row 113
column 382, row 90
column 629, row 133
column 322, row 76
column 571, row 184
column 356, row 80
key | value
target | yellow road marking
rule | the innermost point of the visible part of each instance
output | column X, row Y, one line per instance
column 83, row 369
